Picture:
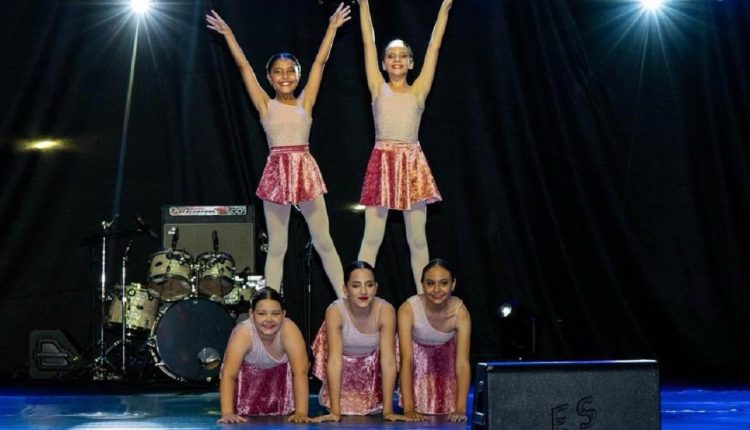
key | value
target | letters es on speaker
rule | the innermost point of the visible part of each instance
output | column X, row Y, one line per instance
column 567, row 395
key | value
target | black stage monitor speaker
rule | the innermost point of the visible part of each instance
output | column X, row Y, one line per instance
column 194, row 225
column 594, row 395
column 51, row 354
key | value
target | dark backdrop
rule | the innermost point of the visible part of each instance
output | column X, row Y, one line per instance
column 593, row 164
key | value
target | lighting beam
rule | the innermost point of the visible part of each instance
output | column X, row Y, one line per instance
column 140, row 7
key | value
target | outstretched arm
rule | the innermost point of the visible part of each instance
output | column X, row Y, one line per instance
column 238, row 345
column 294, row 345
column 339, row 17
column 257, row 95
column 405, row 325
column 374, row 78
column 423, row 83
column 463, row 368
column 388, row 368
column 334, row 323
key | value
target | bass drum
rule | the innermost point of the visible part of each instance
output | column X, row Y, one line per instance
column 189, row 339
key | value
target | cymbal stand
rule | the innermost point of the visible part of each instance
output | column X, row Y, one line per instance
column 101, row 363
column 124, row 303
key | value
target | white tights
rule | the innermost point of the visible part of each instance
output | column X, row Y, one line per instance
column 415, row 221
column 316, row 216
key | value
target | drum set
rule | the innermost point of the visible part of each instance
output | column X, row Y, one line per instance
column 180, row 320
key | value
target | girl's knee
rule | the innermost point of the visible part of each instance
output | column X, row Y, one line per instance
column 277, row 250
column 323, row 244
column 417, row 241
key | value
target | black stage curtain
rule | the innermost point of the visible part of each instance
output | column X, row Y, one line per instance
column 593, row 165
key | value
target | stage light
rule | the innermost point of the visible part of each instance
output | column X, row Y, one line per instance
column 42, row 145
column 358, row 207
column 517, row 327
column 505, row 310
column 651, row 5
column 140, row 6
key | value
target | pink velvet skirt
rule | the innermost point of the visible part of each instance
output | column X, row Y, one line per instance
column 398, row 176
column 264, row 391
column 434, row 378
column 361, row 385
column 291, row 176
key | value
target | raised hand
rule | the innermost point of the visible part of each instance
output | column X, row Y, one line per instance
column 216, row 23
column 340, row 16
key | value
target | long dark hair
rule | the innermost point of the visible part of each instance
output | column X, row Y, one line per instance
column 439, row 262
column 354, row 265
column 267, row 294
column 283, row 56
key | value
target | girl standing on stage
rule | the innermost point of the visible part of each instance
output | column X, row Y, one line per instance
column 355, row 350
column 291, row 175
column 397, row 175
column 434, row 331
column 265, row 365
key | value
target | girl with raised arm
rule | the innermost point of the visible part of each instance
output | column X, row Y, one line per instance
column 291, row 175
column 265, row 365
column 397, row 175
column 434, row 331
column 355, row 351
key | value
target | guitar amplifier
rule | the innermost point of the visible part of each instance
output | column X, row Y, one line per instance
column 195, row 226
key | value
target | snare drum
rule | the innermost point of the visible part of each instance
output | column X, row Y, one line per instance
column 140, row 309
column 169, row 275
column 214, row 272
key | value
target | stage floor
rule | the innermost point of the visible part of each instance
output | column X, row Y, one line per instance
column 683, row 408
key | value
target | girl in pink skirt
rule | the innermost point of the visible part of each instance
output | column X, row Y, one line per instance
column 355, row 351
column 265, row 365
column 397, row 175
column 291, row 176
column 434, row 331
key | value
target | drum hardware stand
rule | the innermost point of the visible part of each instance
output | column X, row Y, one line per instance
column 124, row 302
column 101, row 364
column 100, row 367
column 175, row 233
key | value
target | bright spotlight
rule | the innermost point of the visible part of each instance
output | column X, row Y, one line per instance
column 651, row 5
column 140, row 6
column 505, row 310
column 44, row 145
